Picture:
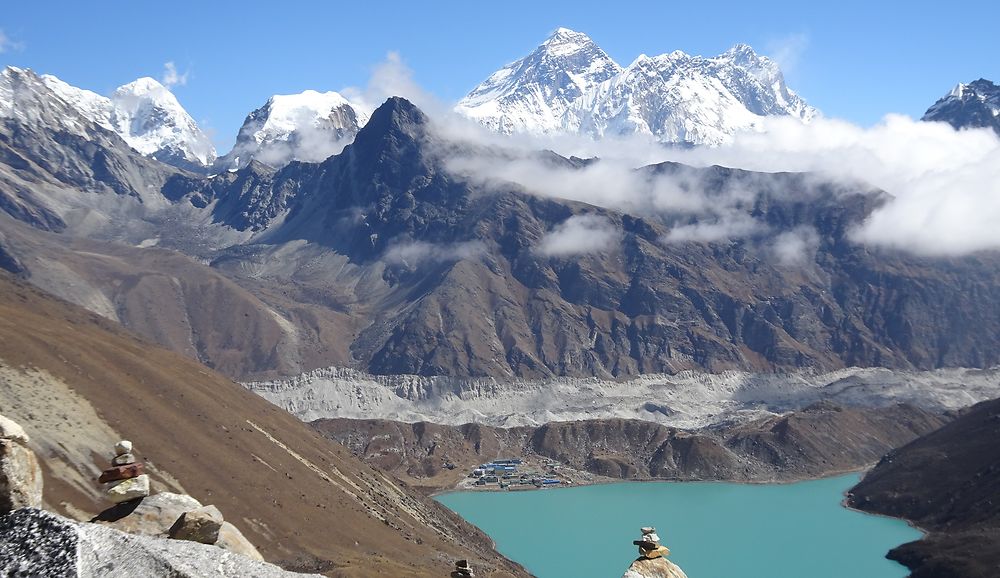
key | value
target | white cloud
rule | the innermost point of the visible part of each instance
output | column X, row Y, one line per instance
column 171, row 77
column 945, row 183
column 7, row 43
column 787, row 51
column 392, row 77
column 795, row 248
column 579, row 234
column 723, row 228
column 416, row 253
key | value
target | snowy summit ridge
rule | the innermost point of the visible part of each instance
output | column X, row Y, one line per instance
column 143, row 113
column 309, row 126
column 569, row 85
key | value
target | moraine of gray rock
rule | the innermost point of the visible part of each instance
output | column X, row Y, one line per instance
column 38, row 543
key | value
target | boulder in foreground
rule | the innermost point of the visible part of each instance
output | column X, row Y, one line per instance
column 20, row 473
column 38, row 543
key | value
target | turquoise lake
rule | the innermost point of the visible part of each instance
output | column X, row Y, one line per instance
column 714, row 530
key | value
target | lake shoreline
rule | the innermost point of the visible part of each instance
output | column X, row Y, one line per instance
column 806, row 525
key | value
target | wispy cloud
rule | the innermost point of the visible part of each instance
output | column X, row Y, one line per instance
column 171, row 77
column 945, row 183
column 392, row 77
column 416, row 253
column 788, row 51
column 795, row 248
column 7, row 43
column 579, row 234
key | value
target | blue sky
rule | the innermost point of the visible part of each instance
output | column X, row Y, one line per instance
column 853, row 60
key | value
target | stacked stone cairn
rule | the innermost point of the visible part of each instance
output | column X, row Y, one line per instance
column 462, row 570
column 126, row 478
column 649, row 544
column 652, row 561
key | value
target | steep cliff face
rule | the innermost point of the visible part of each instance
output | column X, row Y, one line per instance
column 945, row 482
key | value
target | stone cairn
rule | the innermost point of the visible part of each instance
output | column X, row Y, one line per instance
column 462, row 570
column 126, row 479
column 649, row 544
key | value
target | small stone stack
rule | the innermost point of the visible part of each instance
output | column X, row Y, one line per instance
column 126, row 478
column 651, row 562
column 462, row 570
column 649, row 544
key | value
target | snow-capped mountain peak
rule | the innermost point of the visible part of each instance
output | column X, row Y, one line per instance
column 309, row 126
column 143, row 113
column 972, row 105
column 569, row 85
column 532, row 94
column 153, row 122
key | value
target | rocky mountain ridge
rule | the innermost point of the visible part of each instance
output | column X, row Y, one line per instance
column 972, row 105
column 144, row 113
column 946, row 483
column 385, row 258
column 820, row 440
column 569, row 85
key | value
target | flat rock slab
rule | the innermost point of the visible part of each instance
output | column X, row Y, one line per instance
column 150, row 516
column 123, row 459
column 127, row 490
column 117, row 473
column 38, row 543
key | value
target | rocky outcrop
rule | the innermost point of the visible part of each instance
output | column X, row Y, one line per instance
column 20, row 473
column 38, row 543
column 200, row 525
column 946, row 483
column 179, row 516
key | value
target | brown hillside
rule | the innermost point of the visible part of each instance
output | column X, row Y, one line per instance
column 78, row 382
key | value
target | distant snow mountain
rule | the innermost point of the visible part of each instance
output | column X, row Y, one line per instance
column 143, row 113
column 534, row 94
column 153, row 122
column 569, row 85
column 310, row 126
column 973, row 105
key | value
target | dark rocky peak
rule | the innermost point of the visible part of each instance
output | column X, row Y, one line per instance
column 972, row 105
column 394, row 127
